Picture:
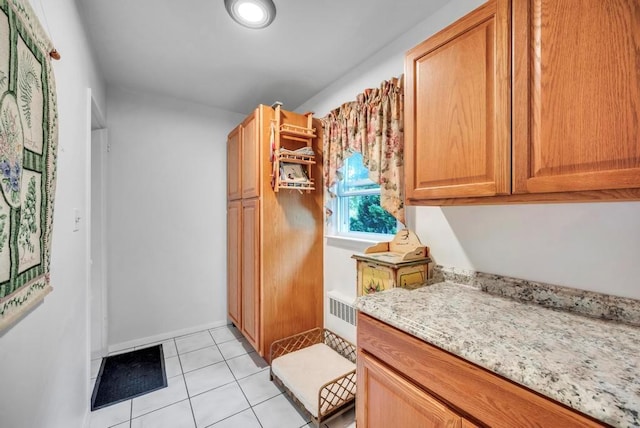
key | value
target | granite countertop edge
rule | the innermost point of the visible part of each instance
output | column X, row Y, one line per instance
column 450, row 316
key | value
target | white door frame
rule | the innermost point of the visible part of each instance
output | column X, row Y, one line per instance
column 97, row 272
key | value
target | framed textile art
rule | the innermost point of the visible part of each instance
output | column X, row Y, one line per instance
column 28, row 143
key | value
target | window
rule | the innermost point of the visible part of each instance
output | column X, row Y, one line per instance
column 357, row 207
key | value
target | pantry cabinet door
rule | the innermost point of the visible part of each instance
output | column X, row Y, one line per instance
column 251, row 271
column 457, row 120
column 576, row 95
column 234, row 255
column 250, row 159
column 234, row 171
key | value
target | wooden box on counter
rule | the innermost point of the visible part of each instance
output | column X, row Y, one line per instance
column 401, row 262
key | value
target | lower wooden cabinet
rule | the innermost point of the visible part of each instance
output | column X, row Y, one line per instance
column 243, row 267
column 250, row 271
column 234, row 258
column 388, row 399
column 406, row 382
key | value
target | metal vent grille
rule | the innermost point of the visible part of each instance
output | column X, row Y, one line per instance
column 342, row 310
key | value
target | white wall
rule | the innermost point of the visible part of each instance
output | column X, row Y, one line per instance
column 589, row 246
column 44, row 358
column 167, row 216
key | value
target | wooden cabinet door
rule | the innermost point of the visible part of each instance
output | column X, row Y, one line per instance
column 576, row 95
column 234, row 172
column 234, row 257
column 250, row 274
column 457, row 121
column 386, row 399
column 250, row 159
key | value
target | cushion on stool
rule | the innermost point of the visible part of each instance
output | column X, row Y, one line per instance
column 305, row 371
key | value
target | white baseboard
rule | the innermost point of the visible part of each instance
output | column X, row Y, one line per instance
column 164, row 336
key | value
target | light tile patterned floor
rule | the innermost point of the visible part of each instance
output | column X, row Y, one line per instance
column 215, row 380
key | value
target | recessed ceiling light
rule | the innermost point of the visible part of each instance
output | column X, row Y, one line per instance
column 251, row 13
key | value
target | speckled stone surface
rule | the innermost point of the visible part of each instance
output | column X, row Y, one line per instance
column 583, row 302
column 589, row 364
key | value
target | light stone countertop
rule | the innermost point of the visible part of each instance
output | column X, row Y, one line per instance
column 589, row 364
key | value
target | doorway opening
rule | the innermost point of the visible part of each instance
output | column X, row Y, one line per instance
column 97, row 233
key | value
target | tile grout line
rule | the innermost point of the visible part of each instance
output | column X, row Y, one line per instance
column 238, row 383
column 184, row 380
column 212, row 389
column 131, row 418
column 226, row 360
column 186, row 388
column 215, row 344
column 281, row 393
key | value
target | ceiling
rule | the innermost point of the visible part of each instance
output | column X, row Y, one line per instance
column 191, row 49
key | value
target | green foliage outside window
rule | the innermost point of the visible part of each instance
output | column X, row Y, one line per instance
column 366, row 215
column 359, row 207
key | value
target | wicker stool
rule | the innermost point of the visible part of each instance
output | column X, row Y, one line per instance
column 317, row 370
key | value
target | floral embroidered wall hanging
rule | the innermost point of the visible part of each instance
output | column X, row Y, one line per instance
column 28, row 143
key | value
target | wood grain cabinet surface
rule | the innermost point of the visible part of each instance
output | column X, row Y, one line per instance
column 390, row 400
column 274, row 241
column 234, row 259
column 526, row 101
column 250, row 271
column 457, row 104
column 250, row 160
column 405, row 382
column 234, row 154
column 576, row 95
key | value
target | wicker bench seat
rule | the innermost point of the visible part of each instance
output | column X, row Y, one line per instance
column 317, row 370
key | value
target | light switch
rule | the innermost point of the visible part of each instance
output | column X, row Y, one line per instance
column 76, row 219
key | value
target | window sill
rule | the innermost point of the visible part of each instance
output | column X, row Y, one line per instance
column 353, row 243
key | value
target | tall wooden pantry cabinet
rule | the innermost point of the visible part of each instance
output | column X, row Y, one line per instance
column 274, row 239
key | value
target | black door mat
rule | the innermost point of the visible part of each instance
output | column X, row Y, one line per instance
column 129, row 375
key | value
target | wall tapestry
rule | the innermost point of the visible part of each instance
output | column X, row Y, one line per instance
column 28, row 143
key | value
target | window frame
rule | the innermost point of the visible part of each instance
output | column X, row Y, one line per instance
column 340, row 221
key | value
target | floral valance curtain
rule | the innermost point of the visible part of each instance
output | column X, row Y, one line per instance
column 371, row 125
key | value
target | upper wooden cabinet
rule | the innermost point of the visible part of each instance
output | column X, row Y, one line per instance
column 250, row 160
column 526, row 101
column 576, row 95
column 234, row 173
column 457, row 104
